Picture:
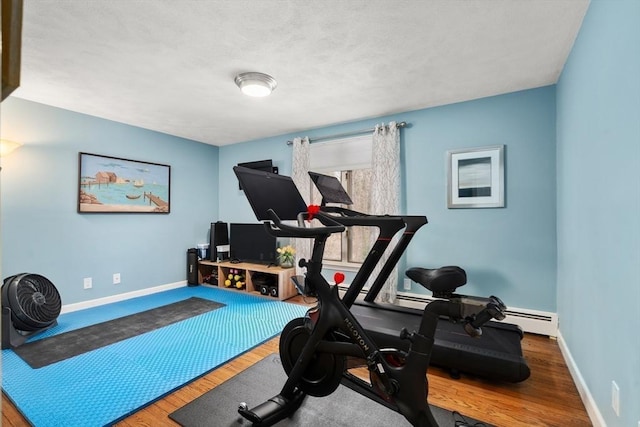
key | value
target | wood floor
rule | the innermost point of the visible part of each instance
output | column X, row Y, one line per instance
column 547, row 398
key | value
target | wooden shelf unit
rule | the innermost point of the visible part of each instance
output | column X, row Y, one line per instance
column 278, row 276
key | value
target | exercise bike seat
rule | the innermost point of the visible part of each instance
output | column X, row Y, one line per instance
column 442, row 282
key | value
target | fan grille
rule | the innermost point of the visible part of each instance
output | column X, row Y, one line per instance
column 34, row 301
column 38, row 298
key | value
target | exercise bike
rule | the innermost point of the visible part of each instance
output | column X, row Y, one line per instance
column 318, row 350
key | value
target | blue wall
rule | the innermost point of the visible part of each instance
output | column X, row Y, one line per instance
column 42, row 232
column 509, row 252
column 520, row 270
column 598, row 145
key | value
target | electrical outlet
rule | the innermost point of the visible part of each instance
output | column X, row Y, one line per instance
column 407, row 284
column 116, row 278
column 88, row 283
column 615, row 397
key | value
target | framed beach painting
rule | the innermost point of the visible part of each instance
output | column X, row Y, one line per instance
column 113, row 185
column 475, row 177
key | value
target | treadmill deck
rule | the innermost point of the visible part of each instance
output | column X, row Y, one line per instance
column 496, row 354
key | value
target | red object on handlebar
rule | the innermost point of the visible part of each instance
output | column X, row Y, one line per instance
column 312, row 210
column 338, row 277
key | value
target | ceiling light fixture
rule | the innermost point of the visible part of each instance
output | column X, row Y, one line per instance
column 256, row 84
column 7, row 147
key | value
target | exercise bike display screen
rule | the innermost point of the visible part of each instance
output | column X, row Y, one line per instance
column 266, row 190
column 330, row 188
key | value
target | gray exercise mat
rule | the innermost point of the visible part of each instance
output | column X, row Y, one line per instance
column 64, row 346
column 343, row 408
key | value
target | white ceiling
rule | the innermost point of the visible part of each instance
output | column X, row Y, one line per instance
column 169, row 65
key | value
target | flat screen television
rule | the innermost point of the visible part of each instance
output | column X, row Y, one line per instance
column 259, row 165
column 251, row 243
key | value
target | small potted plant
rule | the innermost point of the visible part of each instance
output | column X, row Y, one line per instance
column 286, row 256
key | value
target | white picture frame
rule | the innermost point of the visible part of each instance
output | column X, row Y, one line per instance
column 475, row 177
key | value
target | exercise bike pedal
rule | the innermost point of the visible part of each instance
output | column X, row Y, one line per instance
column 273, row 410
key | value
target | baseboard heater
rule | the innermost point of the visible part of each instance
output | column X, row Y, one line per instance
column 532, row 321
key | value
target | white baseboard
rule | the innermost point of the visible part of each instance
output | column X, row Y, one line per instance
column 533, row 321
column 68, row 308
column 587, row 399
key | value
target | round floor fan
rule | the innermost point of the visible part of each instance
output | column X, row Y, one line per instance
column 30, row 304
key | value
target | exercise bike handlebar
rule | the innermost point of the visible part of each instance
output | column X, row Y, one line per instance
column 278, row 229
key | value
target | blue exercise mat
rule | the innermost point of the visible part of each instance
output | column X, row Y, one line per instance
column 105, row 385
column 46, row 351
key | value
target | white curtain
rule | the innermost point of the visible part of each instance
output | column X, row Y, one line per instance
column 385, row 193
column 300, row 176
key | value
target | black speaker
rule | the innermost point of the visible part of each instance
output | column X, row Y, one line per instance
column 273, row 291
column 219, row 236
column 192, row 267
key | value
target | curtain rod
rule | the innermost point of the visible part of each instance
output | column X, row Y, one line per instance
column 345, row 134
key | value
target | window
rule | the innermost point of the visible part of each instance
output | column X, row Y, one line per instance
column 349, row 160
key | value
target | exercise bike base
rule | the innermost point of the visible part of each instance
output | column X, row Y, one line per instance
column 273, row 410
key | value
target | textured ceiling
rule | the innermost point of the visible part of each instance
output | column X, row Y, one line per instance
column 169, row 65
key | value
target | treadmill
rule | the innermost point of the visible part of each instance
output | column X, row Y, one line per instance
column 494, row 352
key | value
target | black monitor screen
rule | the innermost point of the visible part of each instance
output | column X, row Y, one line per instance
column 266, row 191
column 251, row 243
column 330, row 188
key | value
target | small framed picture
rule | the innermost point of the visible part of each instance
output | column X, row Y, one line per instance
column 475, row 177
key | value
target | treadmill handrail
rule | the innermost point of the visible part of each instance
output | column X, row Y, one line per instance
column 392, row 224
column 388, row 227
column 414, row 223
column 350, row 217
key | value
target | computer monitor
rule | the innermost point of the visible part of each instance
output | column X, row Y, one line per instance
column 266, row 190
column 251, row 243
column 330, row 189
